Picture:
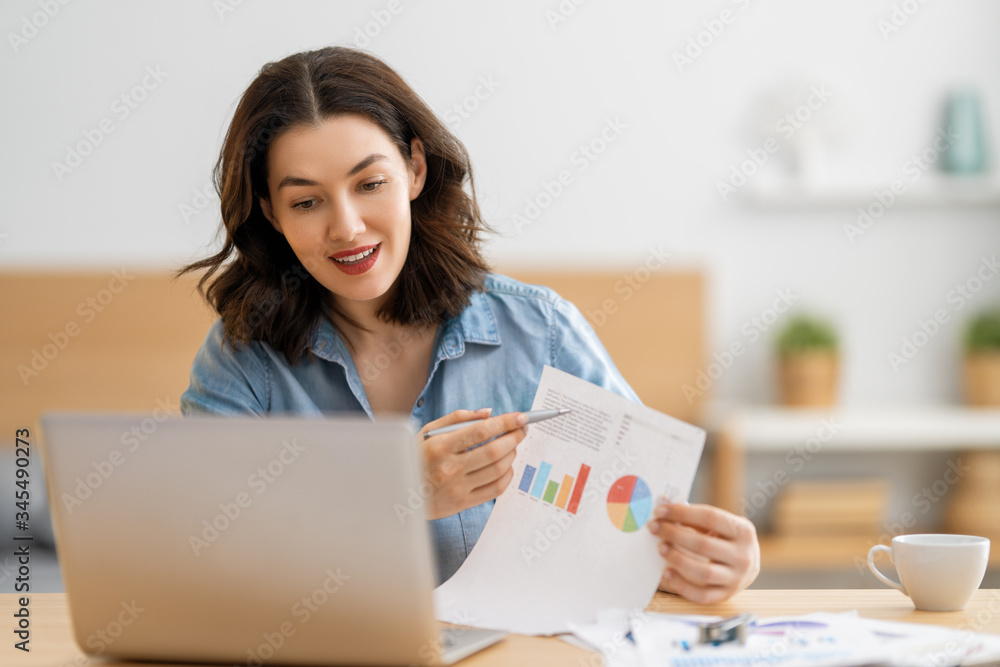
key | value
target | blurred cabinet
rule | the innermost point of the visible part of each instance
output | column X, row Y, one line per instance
column 975, row 506
column 803, row 434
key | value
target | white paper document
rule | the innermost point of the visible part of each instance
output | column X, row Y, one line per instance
column 650, row 639
column 568, row 536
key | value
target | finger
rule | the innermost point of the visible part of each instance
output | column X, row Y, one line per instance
column 443, row 463
column 456, row 417
column 708, row 546
column 705, row 518
column 494, row 450
column 694, row 592
column 493, row 471
column 697, row 570
column 489, row 491
column 484, row 430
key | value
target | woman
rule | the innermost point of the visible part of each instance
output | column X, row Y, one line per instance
column 351, row 280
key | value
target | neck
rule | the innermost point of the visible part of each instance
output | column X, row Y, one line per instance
column 368, row 330
column 357, row 321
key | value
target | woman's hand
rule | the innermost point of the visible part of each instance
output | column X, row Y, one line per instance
column 464, row 479
column 710, row 553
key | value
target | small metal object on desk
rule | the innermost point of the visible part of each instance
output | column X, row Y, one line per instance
column 732, row 629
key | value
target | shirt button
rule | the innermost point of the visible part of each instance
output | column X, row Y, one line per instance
column 420, row 402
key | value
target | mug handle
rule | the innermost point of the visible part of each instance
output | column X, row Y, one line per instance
column 881, row 577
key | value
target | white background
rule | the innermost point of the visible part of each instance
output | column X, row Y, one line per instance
column 557, row 83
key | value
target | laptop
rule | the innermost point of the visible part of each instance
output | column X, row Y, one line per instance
column 245, row 541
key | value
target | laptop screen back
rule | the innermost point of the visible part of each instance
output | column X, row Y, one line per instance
column 241, row 540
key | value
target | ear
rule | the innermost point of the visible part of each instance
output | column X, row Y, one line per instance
column 417, row 167
column 265, row 206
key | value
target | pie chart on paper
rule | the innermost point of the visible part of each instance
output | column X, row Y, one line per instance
column 629, row 503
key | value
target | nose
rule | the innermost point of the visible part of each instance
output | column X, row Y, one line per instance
column 345, row 222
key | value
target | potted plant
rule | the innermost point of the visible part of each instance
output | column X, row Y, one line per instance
column 808, row 362
column 982, row 359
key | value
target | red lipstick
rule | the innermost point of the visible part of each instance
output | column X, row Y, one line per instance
column 363, row 261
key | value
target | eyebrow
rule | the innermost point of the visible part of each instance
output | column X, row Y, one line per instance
column 298, row 180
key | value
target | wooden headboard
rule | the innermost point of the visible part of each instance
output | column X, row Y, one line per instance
column 114, row 341
column 96, row 341
column 654, row 330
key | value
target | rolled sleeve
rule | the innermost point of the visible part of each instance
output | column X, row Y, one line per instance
column 577, row 350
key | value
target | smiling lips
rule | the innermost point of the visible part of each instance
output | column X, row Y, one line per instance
column 356, row 260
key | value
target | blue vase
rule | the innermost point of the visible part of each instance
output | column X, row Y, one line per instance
column 967, row 153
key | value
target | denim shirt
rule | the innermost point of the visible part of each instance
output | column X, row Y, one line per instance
column 489, row 355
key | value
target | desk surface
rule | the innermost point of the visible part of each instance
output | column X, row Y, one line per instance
column 52, row 644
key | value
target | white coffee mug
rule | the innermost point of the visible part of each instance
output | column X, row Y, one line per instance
column 937, row 572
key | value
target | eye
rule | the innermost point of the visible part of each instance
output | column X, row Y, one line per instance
column 306, row 205
column 372, row 186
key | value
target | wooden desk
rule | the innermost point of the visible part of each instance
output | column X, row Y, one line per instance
column 52, row 644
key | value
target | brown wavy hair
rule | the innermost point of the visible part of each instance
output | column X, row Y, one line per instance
column 256, row 283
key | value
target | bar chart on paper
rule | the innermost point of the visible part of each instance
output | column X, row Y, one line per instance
column 629, row 503
column 538, row 482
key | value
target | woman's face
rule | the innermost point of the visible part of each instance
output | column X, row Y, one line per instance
column 340, row 194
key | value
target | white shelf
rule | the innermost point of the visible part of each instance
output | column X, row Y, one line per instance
column 931, row 190
column 764, row 429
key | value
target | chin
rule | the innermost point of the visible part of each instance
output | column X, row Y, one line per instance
column 369, row 293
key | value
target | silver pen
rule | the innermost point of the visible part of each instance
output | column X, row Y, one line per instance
column 533, row 416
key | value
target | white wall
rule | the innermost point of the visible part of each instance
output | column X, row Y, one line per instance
column 557, row 85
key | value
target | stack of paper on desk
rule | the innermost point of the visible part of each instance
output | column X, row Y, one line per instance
column 648, row 639
column 568, row 536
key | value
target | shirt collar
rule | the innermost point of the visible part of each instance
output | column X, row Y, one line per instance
column 475, row 324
